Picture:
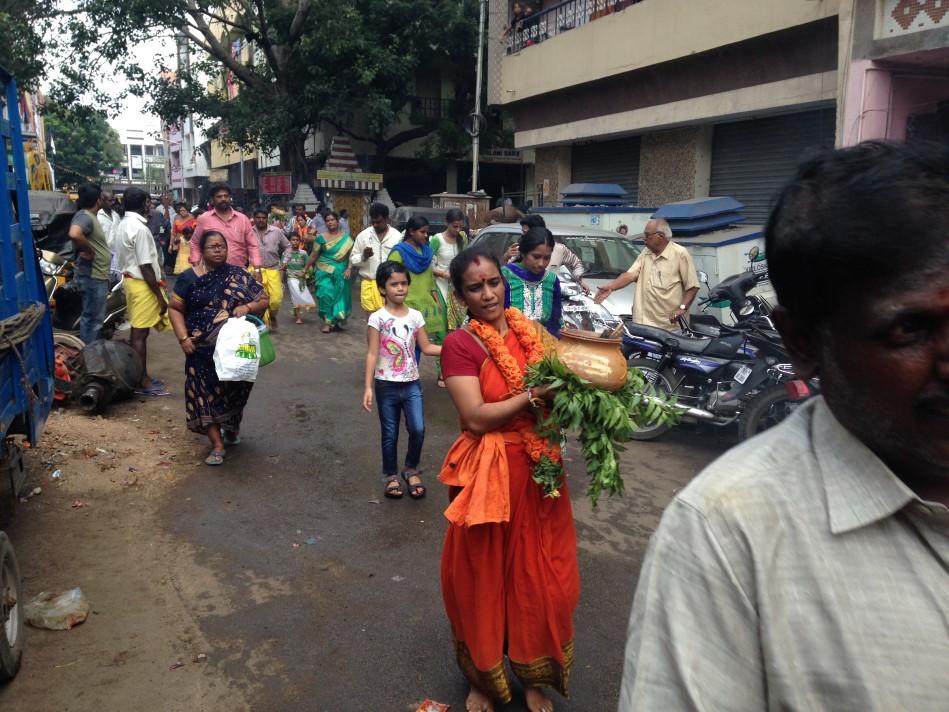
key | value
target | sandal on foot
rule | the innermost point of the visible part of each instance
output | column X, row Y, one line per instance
column 416, row 491
column 230, row 438
column 393, row 489
column 216, row 457
column 326, row 329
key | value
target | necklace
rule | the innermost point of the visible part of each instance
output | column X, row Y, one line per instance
column 538, row 448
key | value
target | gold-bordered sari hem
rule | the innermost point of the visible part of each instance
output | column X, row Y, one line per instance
column 494, row 682
column 541, row 672
column 547, row 672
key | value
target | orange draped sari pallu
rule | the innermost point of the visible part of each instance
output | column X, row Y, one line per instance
column 510, row 580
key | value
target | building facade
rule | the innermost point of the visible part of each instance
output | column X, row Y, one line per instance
column 895, row 78
column 675, row 99
column 144, row 149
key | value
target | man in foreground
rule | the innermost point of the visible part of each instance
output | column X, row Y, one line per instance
column 92, row 261
column 666, row 282
column 243, row 249
column 140, row 262
column 808, row 568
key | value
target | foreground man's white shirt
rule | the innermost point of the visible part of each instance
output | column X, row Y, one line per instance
column 796, row 572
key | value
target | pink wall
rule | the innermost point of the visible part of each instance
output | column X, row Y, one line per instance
column 914, row 94
column 879, row 100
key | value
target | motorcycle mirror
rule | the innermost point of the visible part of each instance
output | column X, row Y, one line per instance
column 703, row 277
column 747, row 309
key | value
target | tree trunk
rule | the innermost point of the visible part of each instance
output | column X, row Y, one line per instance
column 293, row 159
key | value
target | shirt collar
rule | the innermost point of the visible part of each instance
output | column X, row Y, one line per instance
column 859, row 487
column 133, row 214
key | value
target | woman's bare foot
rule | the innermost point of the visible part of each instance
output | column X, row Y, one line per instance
column 478, row 702
column 537, row 701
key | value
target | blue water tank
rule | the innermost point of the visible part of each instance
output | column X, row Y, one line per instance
column 698, row 215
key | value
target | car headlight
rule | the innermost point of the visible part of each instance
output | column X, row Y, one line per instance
column 47, row 267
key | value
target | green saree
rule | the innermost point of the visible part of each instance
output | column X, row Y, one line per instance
column 333, row 293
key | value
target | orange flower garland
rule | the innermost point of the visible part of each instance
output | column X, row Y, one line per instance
column 537, row 447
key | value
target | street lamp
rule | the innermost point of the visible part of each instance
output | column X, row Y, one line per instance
column 476, row 120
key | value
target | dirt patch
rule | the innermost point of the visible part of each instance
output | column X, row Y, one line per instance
column 94, row 526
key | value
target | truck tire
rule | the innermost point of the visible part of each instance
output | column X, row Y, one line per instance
column 765, row 410
column 11, row 611
column 662, row 386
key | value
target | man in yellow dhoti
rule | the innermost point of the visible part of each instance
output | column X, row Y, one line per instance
column 140, row 263
column 273, row 243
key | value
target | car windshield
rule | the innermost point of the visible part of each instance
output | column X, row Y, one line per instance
column 606, row 257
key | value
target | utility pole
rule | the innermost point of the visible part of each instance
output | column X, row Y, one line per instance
column 476, row 117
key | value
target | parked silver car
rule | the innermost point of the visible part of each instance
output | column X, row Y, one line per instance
column 605, row 255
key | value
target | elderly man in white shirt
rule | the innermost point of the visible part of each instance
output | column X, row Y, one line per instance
column 808, row 568
column 370, row 249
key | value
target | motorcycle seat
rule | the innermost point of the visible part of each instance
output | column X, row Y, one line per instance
column 650, row 332
column 669, row 339
column 690, row 344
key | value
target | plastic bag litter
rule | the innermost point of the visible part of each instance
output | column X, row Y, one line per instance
column 237, row 351
column 57, row 611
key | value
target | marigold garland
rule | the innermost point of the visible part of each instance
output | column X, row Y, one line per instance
column 538, row 448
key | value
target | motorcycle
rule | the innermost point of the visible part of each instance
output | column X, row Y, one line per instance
column 743, row 375
column 65, row 297
column 733, row 292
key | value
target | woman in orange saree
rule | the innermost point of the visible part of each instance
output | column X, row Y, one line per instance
column 509, row 567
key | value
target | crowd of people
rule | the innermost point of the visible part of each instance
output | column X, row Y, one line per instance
column 805, row 569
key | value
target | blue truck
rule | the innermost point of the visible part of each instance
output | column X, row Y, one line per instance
column 27, row 358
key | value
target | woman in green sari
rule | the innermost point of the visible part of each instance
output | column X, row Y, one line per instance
column 331, row 257
column 416, row 254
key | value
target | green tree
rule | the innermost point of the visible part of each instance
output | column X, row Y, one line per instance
column 350, row 63
column 86, row 146
column 22, row 25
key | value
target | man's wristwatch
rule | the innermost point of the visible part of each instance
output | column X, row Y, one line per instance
column 683, row 307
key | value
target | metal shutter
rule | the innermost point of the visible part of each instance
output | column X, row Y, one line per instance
column 608, row 162
column 752, row 160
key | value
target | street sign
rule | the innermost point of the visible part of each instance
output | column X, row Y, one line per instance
column 275, row 183
column 474, row 124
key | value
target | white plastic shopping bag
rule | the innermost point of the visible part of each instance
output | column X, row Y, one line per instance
column 237, row 352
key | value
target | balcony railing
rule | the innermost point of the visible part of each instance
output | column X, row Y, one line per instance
column 566, row 16
column 424, row 108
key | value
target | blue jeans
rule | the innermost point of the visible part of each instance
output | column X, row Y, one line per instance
column 94, row 294
column 392, row 399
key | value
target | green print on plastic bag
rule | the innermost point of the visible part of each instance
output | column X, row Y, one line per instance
column 248, row 351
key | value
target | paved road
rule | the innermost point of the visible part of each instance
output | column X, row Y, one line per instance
column 193, row 558
column 355, row 620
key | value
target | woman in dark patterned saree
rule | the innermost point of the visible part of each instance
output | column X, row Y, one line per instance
column 204, row 298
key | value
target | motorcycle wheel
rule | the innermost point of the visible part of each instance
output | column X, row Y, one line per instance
column 662, row 387
column 11, row 611
column 70, row 341
column 765, row 410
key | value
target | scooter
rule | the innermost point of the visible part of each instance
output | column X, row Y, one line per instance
column 65, row 297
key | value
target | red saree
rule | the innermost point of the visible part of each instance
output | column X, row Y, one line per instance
column 509, row 566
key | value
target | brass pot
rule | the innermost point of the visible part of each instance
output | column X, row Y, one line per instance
column 595, row 358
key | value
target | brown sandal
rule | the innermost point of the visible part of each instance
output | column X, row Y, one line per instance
column 393, row 489
column 416, row 491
